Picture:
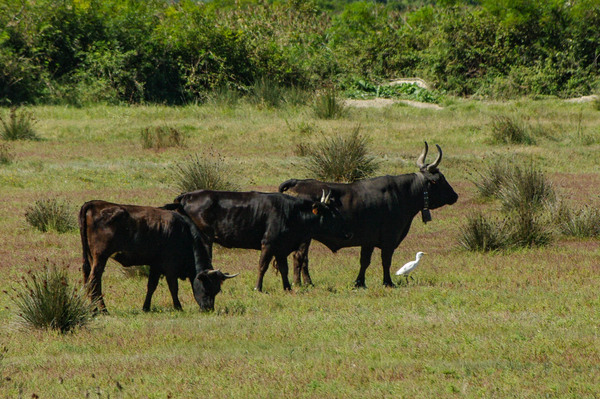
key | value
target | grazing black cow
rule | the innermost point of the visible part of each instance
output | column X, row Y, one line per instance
column 276, row 224
column 133, row 235
column 379, row 212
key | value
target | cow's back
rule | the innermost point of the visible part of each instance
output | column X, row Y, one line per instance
column 138, row 235
column 240, row 219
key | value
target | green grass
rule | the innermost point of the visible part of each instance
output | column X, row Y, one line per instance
column 517, row 324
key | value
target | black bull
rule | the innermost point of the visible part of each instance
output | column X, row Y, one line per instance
column 141, row 235
column 378, row 211
column 274, row 223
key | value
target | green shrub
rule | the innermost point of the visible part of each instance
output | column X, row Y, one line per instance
column 584, row 222
column 18, row 125
column 203, row 172
column 509, row 130
column 161, row 137
column 296, row 96
column 526, row 188
column 516, row 186
column 51, row 214
column 480, row 234
column 224, row 96
column 340, row 159
column 46, row 300
column 6, row 155
column 493, row 177
column 525, row 195
column 528, row 228
column 328, row 105
column 266, row 92
column 518, row 230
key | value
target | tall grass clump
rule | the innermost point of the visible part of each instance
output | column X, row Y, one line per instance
column 51, row 214
column 328, row 105
column 208, row 172
column 160, row 137
column 583, row 222
column 224, row 96
column 341, row 159
column 528, row 228
column 267, row 93
column 493, row 177
column 18, row 125
column 46, row 300
column 509, row 130
column 481, row 234
column 525, row 188
column 6, row 155
column 525, row 195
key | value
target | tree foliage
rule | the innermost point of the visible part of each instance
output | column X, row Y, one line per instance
column 80, row 51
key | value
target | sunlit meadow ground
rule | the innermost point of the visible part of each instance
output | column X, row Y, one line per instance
column 514, row 324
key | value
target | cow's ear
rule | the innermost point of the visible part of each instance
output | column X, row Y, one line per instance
column 315, row 208
column 109, row 215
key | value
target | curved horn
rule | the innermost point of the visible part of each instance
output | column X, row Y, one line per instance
column 325, row 196
column 421, row 159
column 220, row 273
column 437, row 161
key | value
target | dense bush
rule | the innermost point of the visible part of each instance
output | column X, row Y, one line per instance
column 18, row 125
column 510, row 130
column 584, row 222
column 175, row 52
column 207, row 171
column 329, row 105
column 481, row 234
column 341, row 158
column 526, row 198
column 51, row 214
column 46, row 300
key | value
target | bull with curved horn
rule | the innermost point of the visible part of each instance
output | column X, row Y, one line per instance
column 379, row 211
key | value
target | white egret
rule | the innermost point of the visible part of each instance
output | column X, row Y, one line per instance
column 410, row 266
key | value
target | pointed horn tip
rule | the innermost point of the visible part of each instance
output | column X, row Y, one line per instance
column 421, row 159
column 437, row 161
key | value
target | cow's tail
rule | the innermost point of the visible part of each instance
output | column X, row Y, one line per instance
column 286, row 185
column 86, row 267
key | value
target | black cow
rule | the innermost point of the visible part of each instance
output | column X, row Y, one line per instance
column 140, row 235
column 379, row 212
column 276, row 224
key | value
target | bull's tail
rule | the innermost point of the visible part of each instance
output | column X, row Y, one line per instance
column 86, row 267
column 286, row 185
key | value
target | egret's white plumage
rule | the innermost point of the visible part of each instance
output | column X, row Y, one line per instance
column 410, row 266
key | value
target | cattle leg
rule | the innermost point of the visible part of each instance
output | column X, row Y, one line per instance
column 282, row 265
column 365, row 261
column 386, row 263
column 174, row 288
column 265, row 258
column 152, row 284
column 94, row 284
column 301, row 265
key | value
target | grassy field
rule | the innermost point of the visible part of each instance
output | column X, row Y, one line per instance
column 509, row 324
